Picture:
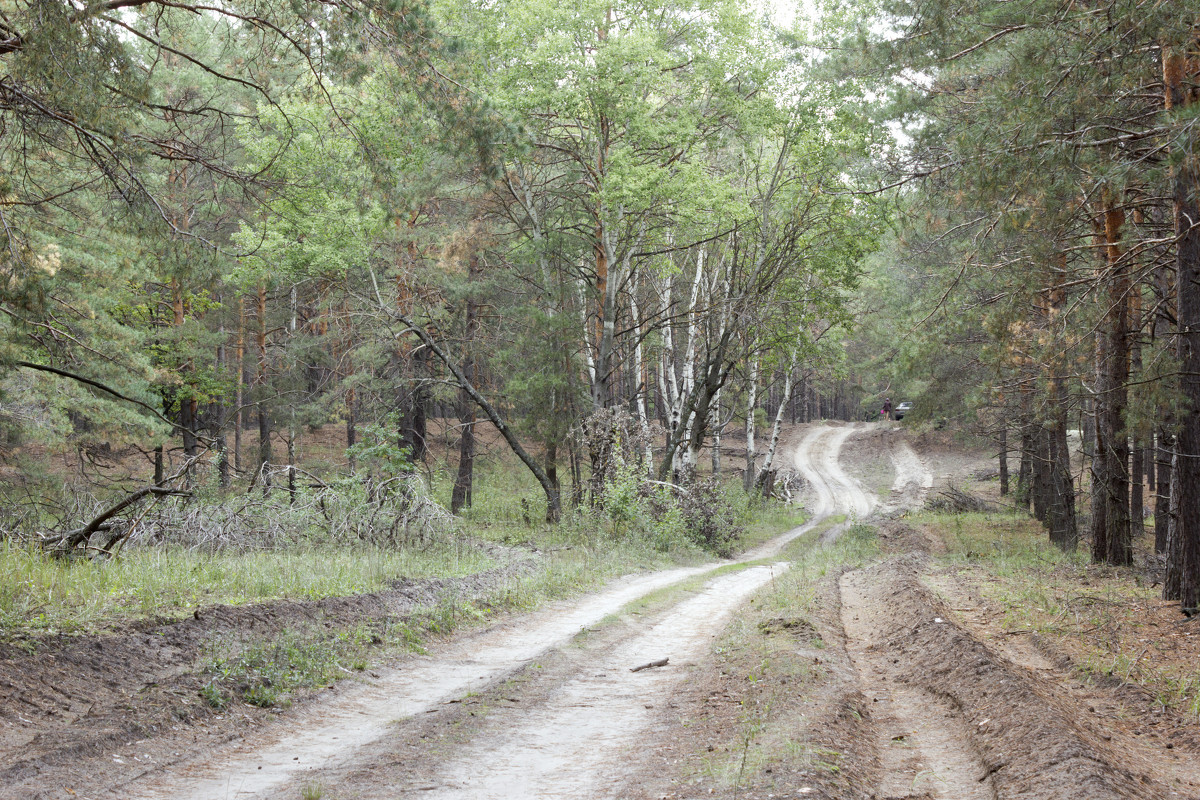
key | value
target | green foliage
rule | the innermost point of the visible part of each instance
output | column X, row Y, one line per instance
column 378, row 449
column 265, row 674
column 707, row 514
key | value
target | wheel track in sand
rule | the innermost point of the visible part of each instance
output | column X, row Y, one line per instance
column 326, row 736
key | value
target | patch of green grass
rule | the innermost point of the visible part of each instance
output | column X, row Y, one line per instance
column 769, row 520
column 265, row 673
column 42, row 594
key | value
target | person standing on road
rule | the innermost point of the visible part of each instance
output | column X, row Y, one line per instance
column 886, row 411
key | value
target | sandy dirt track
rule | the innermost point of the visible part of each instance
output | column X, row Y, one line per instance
column 564, row 748
column 901, row 692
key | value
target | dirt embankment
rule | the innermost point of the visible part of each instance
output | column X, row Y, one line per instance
column 111, row 706
column 956, row 714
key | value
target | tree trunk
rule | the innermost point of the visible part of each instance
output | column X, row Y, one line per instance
column 1183, row 551
column 1137, row 486
column 715, row 455
column 1025, row 470
column 1039, row 473
column 1111, row 541
column 1060, row 510
column 777, row 425
column 1003, row 460
column 750, row 476
column 1162, row 495
column 222, row 413
column 463, row 481
column 159, row 466
column 239, row 363
column 351, row 430
column 260, row 380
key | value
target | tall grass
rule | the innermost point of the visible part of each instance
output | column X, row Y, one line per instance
column 38, row 593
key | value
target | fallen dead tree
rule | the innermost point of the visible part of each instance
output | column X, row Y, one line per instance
column 395, row 511
column 956, row 501
column 787, row 486
column 109, row 521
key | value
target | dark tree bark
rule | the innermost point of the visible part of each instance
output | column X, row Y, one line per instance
column 1183, row 549
column 463, row 481
column 1137, row 486
column 1164, row 439
column 239, row 358
column 1039, row 473
column 1003, row 460
column 1025, row 470
column 221, row 413
column 1162, row 496
column 1060, row 510
column 351, row 428
column 260, row 380
column 1110, row 491
column 159, row 466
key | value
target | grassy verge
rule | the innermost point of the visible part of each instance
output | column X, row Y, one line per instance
column 46, row 595
column 268, row 672
column 769, row 655
column 1109, row 621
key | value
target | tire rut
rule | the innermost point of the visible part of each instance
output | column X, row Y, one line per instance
column 981, row 726
column 921, row 739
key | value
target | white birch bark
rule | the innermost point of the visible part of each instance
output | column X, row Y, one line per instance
column 638, row 367
column 716, row 429
column 751, row 474
column 777, row 425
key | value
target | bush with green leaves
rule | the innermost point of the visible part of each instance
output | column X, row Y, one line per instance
column 700, row 514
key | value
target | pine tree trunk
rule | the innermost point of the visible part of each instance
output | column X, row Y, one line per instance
column 1003, row 460
column 160, row 474
column 1025, row 469
column 1183, row 551
column 464, row 480
column 1110, row 530
column 222, row 413
column 1039, row 477
column 351, row 430
column 239, row 359
column 260, row 380
column 1137, row 486
column 1060, row 511
column 1162, row 496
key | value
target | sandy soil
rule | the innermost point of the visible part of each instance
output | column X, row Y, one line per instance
column 897, row 686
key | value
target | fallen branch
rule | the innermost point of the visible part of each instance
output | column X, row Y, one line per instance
column 662, row 662
column 62, row 545
column 72, row 539
column 956, row 500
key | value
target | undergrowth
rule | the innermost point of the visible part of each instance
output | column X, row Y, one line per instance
column 49, row 595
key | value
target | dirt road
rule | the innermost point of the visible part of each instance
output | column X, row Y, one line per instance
column 888, row 688
column 565, row 745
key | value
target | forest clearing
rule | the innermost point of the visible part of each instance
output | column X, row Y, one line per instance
column 655, row 398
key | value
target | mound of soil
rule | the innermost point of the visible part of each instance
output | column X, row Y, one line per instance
column 1028, row 742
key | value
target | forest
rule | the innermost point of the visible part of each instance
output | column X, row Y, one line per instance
column 332, row 328
column 608, row 233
